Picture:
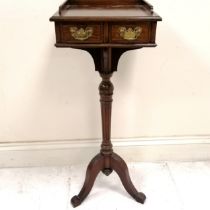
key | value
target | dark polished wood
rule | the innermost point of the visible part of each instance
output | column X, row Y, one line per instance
column 106, row 29
column 94, row 167
column 107, row 161
column 97, row 36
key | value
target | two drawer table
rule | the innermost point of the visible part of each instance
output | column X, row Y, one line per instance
column 106, row 29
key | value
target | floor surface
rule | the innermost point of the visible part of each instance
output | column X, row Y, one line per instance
column 167, row 185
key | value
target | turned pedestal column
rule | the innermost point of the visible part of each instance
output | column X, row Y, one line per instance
column 106, row 161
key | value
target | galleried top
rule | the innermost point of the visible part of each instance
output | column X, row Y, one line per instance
column 106, row 10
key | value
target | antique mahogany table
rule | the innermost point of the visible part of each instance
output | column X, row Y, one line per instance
column 106, row 29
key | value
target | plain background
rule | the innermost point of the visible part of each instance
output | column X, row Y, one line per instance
column 48, row 93
column 51, row 94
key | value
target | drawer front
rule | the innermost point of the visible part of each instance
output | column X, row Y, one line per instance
column 131, row 33
column 81, row 33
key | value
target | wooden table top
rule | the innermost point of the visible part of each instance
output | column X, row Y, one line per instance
column 111, row 13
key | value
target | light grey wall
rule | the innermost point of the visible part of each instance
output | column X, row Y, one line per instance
column 48, row 93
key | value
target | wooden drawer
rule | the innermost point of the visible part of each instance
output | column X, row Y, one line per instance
column 131, row 33
column 81, row 33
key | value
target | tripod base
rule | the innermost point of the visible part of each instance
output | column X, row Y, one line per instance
column 96, row 165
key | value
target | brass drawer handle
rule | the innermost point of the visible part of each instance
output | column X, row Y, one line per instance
column 130, row 33
column 82, row 33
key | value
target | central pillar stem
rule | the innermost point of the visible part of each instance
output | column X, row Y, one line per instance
column 106, row 161
column 106, row 91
